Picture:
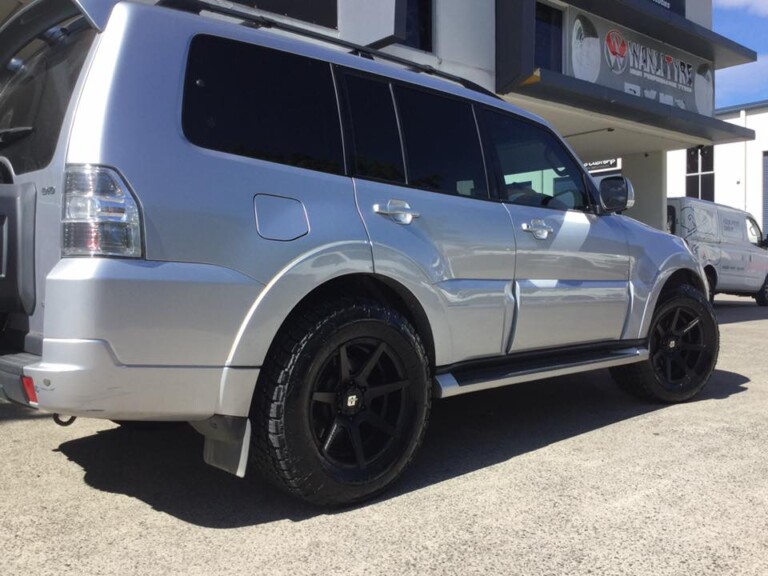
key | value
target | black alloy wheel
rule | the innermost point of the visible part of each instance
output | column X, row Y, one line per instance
column 342, row 405
column 683, row 345
column 359, row 404
column 679, row 347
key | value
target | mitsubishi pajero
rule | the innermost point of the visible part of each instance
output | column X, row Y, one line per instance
column 295, row 243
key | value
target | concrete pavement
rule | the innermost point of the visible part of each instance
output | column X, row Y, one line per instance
column 567, row 476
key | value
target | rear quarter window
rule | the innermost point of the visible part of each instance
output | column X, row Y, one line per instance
column 262, row 103
column 372, row 124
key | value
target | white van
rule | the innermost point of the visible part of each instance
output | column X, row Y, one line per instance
column 728, row 243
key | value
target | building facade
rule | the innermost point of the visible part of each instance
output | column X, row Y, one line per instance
column 738, row 171
column 629, row 79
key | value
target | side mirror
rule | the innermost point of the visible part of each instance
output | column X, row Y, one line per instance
column 616, row 194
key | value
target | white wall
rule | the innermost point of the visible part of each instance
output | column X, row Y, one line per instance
column 464, row 40
column 676, row 173
column 647, row 172
column 730, row 183
column 739, row 167
column 699, row 11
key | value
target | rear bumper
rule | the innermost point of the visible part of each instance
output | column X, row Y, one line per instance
column 138, row 340
column 83, row 378
column 11, row 370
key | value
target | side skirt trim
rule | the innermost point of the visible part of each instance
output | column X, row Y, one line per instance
column 455, row 383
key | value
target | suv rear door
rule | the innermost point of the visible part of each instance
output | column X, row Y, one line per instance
column 426, row 205
column 42, row 52
column 572, row 269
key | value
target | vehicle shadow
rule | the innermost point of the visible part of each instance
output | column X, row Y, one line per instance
column 741, row 310
column 10, row 411
column 165, row 469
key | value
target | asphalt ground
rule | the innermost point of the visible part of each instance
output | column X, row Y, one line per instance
column 561, row 477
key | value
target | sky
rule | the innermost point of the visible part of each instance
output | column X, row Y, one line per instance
column 746, row 22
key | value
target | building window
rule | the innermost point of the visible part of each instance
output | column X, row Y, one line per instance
column 549, row 38
column 418, row 25
column 700, row 173
column 322, row 12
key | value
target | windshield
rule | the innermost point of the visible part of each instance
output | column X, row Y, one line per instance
column 35, row 89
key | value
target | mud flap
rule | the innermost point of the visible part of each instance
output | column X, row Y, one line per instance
column 227, row 440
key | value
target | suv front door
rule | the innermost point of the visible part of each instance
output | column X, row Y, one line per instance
column 572, row 268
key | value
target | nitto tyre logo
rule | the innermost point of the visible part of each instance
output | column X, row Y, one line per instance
column 616, row 51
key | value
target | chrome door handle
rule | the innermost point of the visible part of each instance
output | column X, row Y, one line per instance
column 538, row 228
column 399, row 210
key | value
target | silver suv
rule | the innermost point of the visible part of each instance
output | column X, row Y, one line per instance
column 295, row 248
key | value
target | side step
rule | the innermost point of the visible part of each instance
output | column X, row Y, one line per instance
column 516, row 371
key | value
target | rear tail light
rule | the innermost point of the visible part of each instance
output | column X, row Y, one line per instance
column 101, row 217
column 29, row 389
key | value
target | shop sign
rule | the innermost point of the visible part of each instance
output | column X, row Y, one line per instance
column 616, row 57
column 603, row 165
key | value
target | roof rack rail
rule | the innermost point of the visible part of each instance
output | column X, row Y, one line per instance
column 259, row 21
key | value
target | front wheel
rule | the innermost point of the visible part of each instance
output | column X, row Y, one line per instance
column 342, row 406
column 683, row 343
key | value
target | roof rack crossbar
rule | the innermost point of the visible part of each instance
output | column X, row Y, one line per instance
column 259, row 21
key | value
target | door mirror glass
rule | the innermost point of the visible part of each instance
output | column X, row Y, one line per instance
column 616, row 194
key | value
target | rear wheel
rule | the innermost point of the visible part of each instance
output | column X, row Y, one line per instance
column 762, row 296
column 712, row 284
column 343, row 404
column 683, row 343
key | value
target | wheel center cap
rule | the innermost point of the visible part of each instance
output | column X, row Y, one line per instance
column 351, row 401
column 672, row 344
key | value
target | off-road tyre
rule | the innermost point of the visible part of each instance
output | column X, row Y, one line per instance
column 684, row 341
column 761, row 297
column 342, row 403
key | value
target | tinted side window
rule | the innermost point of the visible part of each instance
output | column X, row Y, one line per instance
column 441, row 142
column 262, row 103
column 534, row 168
column 375, row 138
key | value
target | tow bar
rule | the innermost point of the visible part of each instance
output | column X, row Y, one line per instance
column 62, row 422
